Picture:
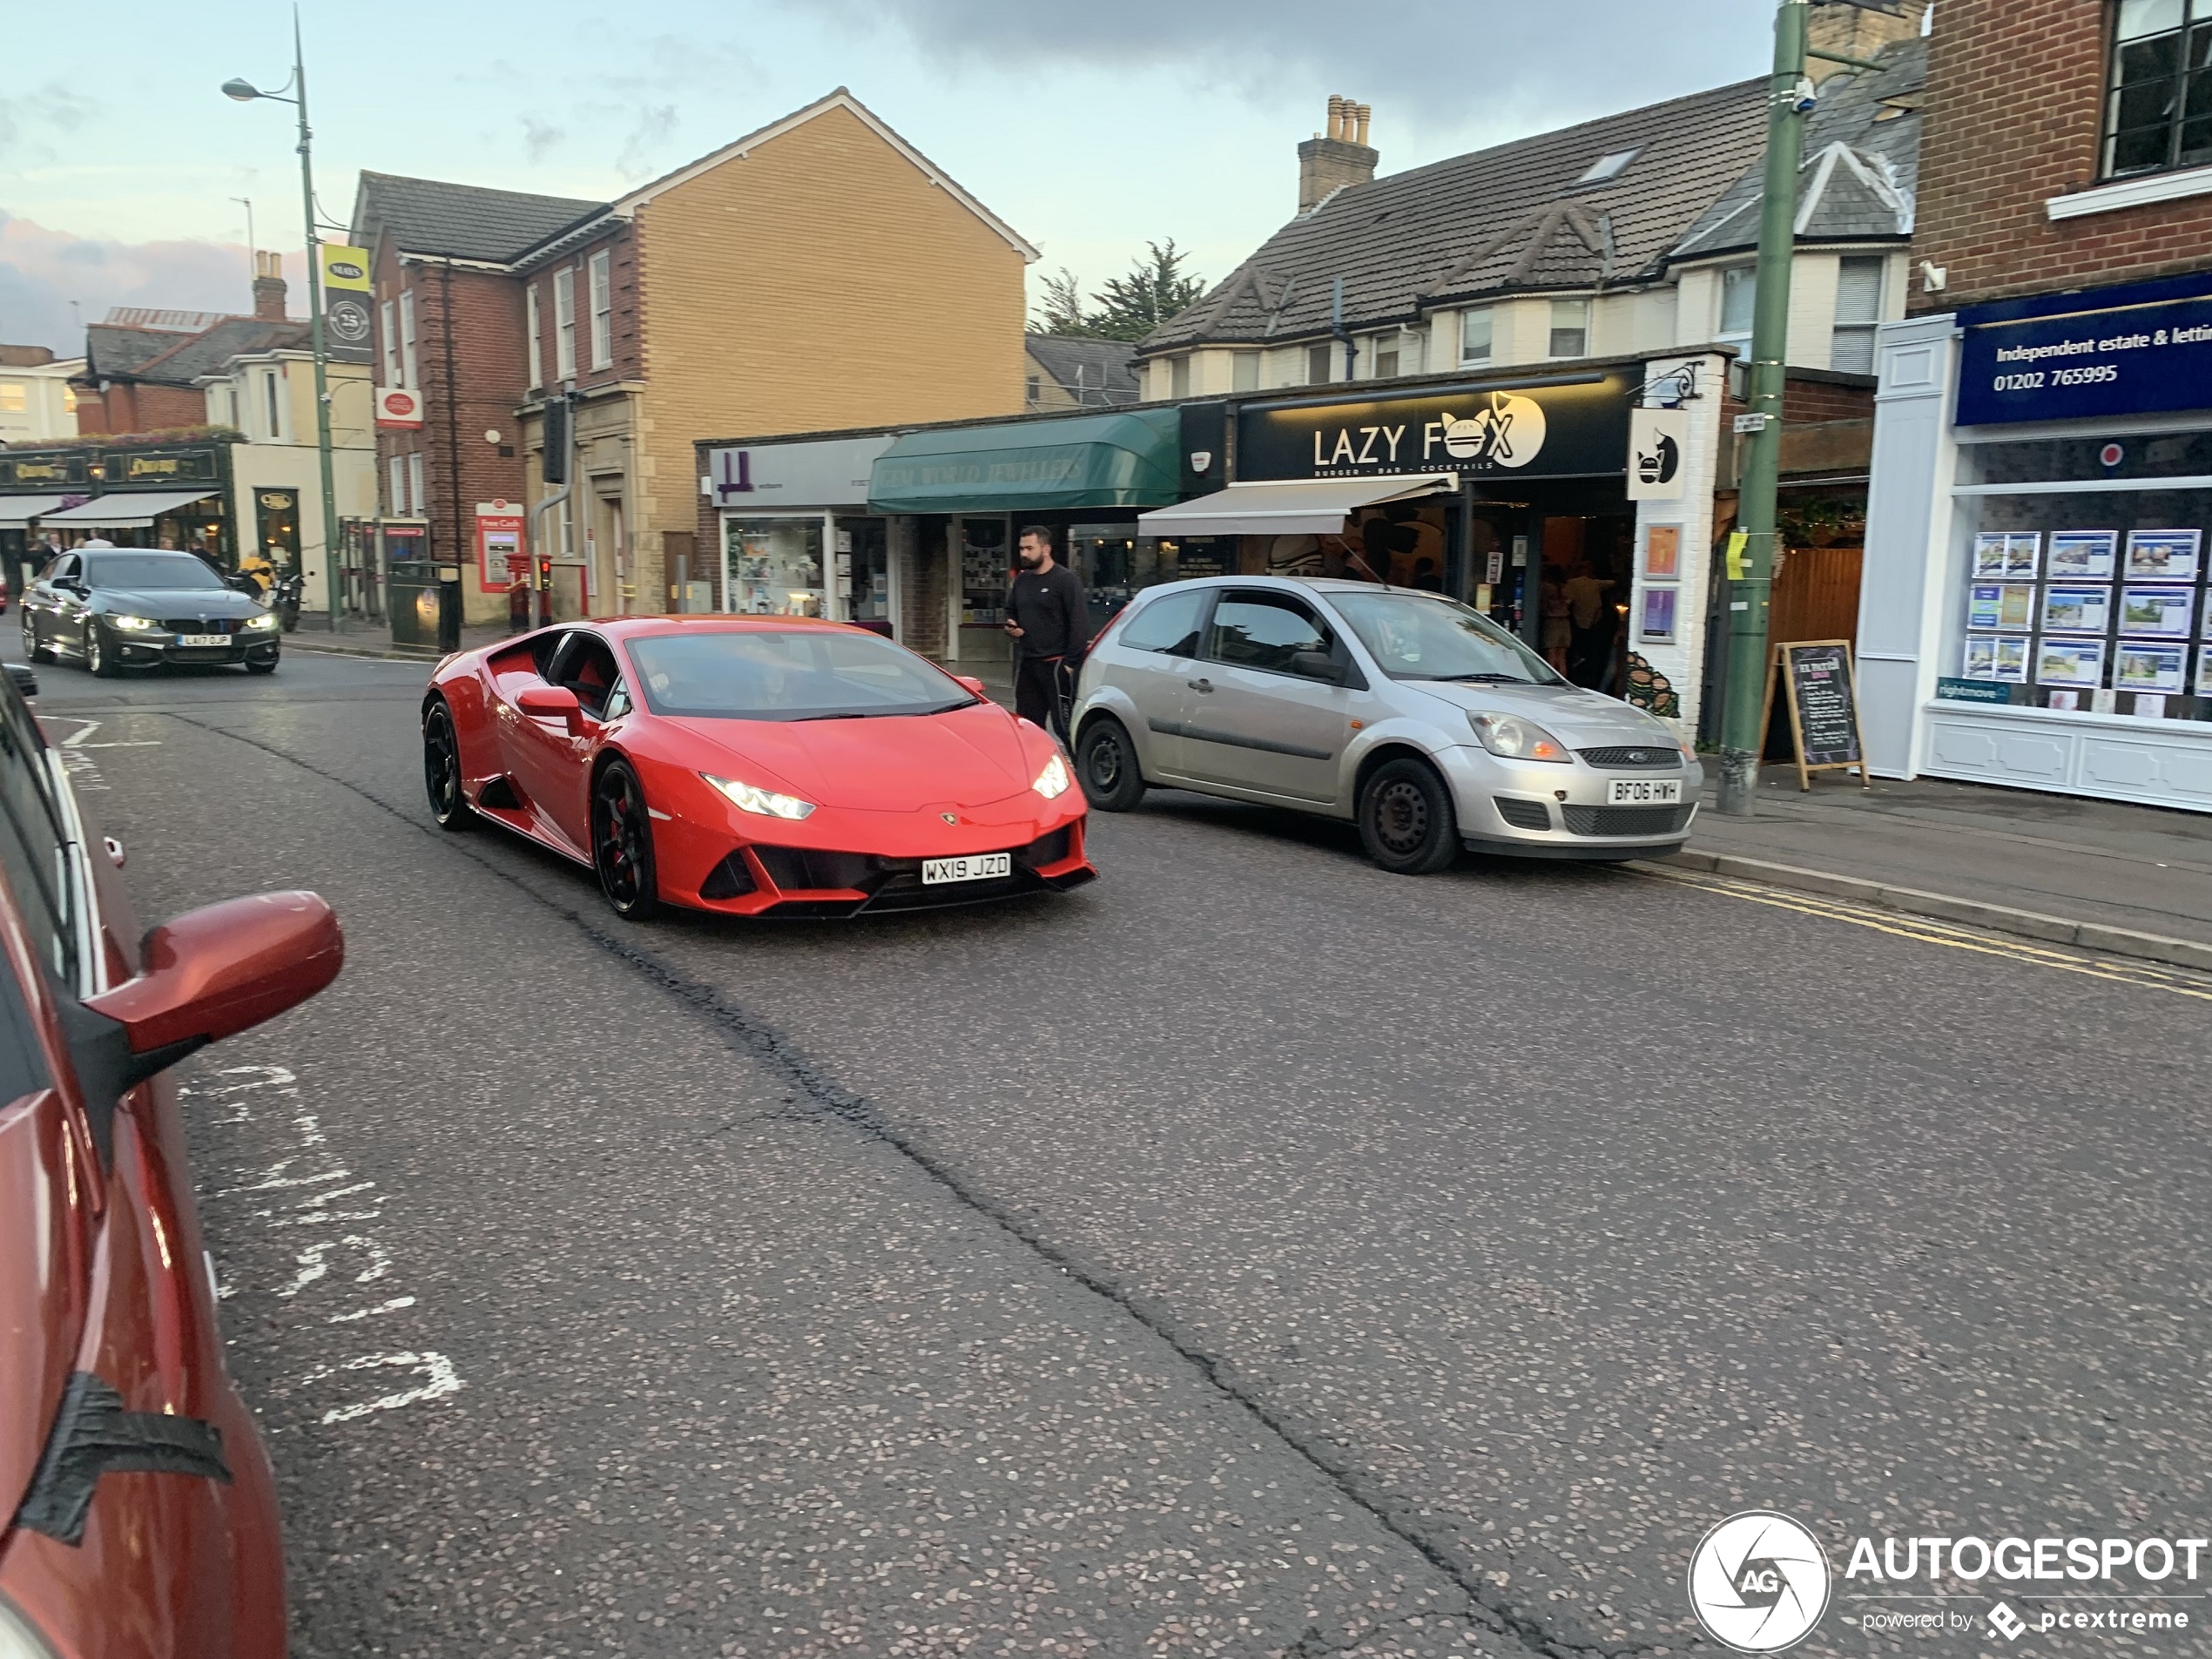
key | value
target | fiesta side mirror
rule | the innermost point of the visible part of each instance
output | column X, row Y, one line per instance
column 208, row 974
column 1317, row 665
column 552, row 703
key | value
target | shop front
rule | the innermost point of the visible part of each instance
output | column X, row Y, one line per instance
column 2035, row 607
column 969, row 490
column 135, row 496
column 1513, row 496
column 796, row 535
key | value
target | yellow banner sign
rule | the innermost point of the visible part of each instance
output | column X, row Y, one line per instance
column 345, row 268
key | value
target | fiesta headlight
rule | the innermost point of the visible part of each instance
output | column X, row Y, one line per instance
column 133, row 624
column 264, row 620
column 748, row 798
column 1052, row 782
column 1516, row 738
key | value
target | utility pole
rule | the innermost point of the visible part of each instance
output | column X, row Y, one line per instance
column 1750, row 551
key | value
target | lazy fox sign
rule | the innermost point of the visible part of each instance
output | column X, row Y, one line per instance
column 1578, row 429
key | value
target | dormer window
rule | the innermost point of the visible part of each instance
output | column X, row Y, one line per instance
column 1609, row 167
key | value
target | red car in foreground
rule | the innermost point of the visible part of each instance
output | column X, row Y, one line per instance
column 137, row 1512
column 755, row 766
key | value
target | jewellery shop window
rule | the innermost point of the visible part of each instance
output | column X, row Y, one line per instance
column 986, row 569
column 775, row 566
column 2093, row 600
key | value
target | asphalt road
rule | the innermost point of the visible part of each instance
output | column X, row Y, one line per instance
column 1251, row 1254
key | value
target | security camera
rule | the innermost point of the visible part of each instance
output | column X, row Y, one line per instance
column 1806, row 97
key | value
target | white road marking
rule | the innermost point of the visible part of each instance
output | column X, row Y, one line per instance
column 394, row 1305
column 435, row 1366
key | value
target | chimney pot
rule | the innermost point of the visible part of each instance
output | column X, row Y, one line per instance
column 1330, row 160
column 1365, row 111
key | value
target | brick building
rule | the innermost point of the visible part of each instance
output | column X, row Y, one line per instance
column 449, row 326
column 2035, row 600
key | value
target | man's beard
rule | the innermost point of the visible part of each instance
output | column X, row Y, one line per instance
column 1030, row 561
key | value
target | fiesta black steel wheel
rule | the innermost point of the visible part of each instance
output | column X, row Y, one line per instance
column 441, row 770
column 1106, row 766
column 1405, row 819
column 99, row 656
column 622, row 843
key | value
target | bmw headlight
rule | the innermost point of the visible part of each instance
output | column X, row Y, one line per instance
column 265, row 620
column 747, row 798
column 1052, row 782
column 133, row 624
column 1516, row 738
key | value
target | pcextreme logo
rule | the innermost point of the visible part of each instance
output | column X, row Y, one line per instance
column 1758, row 1582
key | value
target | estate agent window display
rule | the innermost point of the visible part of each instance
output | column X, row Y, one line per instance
column 2092, row 599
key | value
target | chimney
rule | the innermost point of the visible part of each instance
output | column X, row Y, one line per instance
column 1858, row 32
column 1340, row 156
column 268, row 286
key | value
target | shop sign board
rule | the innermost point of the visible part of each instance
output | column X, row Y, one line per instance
column 499, row 543
column 1573, row 427
column 399, row 408
column 829, row 472
column 2133, row 350
column 36, row 471
column 1821, row 689
column 1656, row 439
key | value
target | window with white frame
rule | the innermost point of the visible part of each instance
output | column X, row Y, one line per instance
column 2159, row 110
column 1859, row 307
column 1243, row 371
column 1739, row 303
column 414, row 491
column 564, row 323
column 1570, row 332
column 396, row 492
column 602, row 310
column 406, row 337
column 1318, row 369
column 1179, row 375
column 535, row 378
column 1475, row 334
column 388, row 333
column 272, row 403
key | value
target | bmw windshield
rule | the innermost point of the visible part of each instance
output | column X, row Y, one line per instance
column 162, row 571
column 788, row 674
column 1421, row 637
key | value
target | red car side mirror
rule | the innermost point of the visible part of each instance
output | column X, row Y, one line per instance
column 552, row 703
column 973, row 683
column 212, row 974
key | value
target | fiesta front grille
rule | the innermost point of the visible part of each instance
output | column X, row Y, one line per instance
column 1642, row 754
column 1523, row 814
column 1625, row 820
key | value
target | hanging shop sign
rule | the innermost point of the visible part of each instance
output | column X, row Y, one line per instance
column 399, row 408
column 1656, row 439
column 2133, row 350
column 345, row 297
column 1569, row 428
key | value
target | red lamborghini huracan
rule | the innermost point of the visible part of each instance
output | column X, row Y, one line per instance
column 758, row 765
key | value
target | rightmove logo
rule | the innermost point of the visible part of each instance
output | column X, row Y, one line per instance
column 1758, row 1582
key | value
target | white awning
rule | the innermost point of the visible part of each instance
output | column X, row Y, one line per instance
column 128, row 509
column 1315, row 506
column 16, row 511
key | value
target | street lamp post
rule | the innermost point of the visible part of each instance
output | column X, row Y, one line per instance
column 245, row 92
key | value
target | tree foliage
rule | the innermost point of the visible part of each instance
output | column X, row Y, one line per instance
column 1127, row 307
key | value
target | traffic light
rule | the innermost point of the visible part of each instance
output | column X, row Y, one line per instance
column 555, row 469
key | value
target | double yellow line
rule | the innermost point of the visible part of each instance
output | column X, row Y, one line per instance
column 2120, row 970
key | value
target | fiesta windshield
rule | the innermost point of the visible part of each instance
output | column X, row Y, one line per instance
column 788, row 674
column 1413, row 636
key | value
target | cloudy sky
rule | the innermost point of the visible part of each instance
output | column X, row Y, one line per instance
column 1090, row 127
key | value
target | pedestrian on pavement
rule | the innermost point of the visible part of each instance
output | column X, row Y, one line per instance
column 1050, row 623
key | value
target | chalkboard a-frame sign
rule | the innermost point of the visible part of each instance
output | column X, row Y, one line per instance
column 1820, row 682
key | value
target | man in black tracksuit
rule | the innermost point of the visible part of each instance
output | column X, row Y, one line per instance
column 1049, row 620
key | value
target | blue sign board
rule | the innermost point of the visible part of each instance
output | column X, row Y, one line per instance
column 2135, row 350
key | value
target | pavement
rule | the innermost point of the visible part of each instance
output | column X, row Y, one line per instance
column 1250, row 1254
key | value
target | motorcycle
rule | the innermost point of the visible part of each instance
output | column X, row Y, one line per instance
column 283, row 599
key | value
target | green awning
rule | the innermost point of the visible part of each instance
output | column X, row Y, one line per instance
column 1127, row 459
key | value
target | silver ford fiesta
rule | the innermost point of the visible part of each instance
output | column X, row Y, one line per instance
column 1419, row 720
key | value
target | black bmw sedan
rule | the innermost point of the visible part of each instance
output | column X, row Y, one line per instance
column 116, row 608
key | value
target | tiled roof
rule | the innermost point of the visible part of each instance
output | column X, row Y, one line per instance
column 122, row 353
column 111, row 350
column 1861, row 152
column 460, row 221
column 1504, row 219
column 1096, row 370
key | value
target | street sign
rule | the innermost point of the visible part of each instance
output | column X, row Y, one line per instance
column 1821, row 688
